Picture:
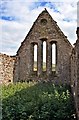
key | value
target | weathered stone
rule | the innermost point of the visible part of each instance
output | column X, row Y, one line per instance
column 6, row 68
column 20, row 67
column 75, row 72
column 44, row 28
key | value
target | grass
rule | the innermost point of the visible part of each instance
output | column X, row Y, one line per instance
column 44, row 66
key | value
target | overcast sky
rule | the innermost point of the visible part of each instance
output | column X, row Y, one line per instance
column 17, row 17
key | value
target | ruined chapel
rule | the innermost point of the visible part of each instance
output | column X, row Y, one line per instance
column 64, row 69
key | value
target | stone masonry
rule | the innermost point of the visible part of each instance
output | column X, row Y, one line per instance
column 20, row 68
column 75, row 72
column 6, row 69
column 77, row 67
column 44, row 29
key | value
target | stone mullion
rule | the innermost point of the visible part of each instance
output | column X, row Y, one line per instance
column 49, row 58
column 31, row 58
column 40, row 57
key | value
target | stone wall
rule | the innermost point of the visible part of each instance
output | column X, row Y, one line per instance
column 77, row 63
column 44, row 28
column 75, row 73
column 6, row 69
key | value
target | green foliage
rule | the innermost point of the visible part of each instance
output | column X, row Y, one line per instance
column 37, row 101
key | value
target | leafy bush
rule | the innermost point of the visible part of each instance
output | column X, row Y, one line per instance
column 37, row 101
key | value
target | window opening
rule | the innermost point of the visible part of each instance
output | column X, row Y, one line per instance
column 53, row 57
column 44, row 55
column 35, row 58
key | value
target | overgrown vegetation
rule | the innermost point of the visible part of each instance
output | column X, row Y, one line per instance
column 37, row 101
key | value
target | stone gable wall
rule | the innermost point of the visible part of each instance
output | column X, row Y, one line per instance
column 52, row 33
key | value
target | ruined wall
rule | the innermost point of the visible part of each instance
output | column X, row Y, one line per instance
column 44, row 28
column 77, row 63
column 6, row 69
column 73, row 70
column 74, row 76
column 75, row 73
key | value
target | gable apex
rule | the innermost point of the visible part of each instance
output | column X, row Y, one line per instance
column 44, row 11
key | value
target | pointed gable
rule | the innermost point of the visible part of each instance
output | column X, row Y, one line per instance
column 45, row 27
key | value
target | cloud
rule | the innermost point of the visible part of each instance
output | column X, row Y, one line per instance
column 78, row 15
column 17, row 17
column 13, row 34
column 66, row 20
column 58, row 1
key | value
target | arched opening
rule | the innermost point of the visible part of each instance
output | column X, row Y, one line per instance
column 54, row 56
column 44, row 56
column 35, row 58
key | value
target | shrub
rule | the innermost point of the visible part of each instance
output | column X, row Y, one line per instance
column 41, row 101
